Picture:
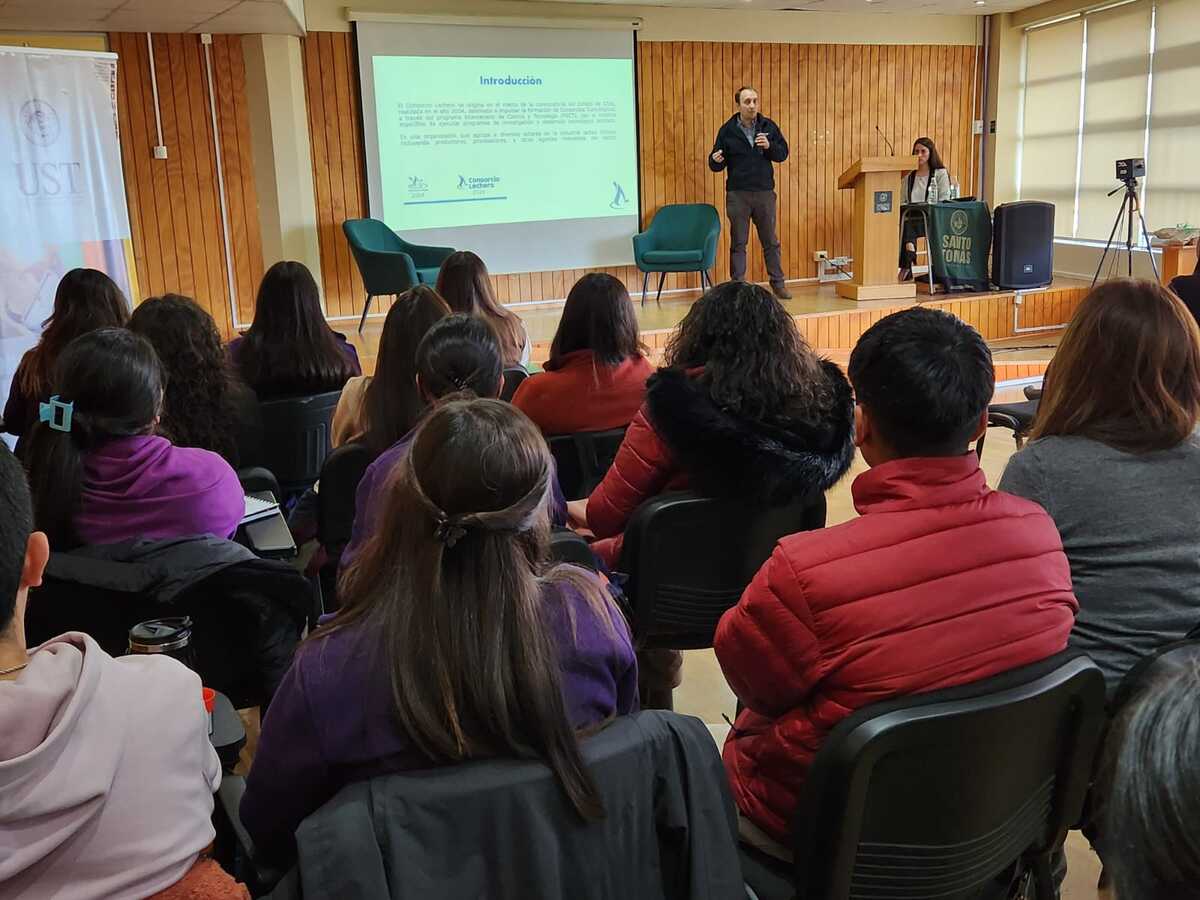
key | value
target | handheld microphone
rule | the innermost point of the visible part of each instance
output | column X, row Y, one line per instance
column 891, row 149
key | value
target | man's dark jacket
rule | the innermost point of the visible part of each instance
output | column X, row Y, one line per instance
column 503, row 830
column 748, row 168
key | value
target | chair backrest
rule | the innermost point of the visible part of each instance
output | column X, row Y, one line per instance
column 371, row 234
column 1151, row 669
column 568, row 547
column 935, row 795
column 298, row 431
column 689, row 558
column 340, row 475
column 583, row 458
column 512, row 380
column 684, row 226
column 503, row 828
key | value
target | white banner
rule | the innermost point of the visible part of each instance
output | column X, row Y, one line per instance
column 62, row 194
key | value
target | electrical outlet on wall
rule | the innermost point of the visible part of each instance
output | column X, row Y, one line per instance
column 820, row 255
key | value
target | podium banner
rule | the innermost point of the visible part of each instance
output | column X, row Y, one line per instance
column 959, row 236
column 62, row 194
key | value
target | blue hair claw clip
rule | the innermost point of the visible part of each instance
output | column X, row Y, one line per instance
column 56, row 414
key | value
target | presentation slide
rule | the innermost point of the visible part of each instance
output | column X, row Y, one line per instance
column 471, row 141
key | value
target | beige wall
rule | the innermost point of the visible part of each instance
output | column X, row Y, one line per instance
column 1004, row 108
column 661, row 23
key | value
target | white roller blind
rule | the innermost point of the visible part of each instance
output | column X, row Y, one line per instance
column 1114, row 114
column 1050, row 121
column 1173, row 176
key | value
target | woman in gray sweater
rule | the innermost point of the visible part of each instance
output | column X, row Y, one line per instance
column 1115, row 461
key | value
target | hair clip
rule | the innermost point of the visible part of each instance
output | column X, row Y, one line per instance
column 448, row 533
column 56, row 413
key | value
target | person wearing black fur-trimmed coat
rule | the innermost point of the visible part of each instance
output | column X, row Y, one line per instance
column 743, row 408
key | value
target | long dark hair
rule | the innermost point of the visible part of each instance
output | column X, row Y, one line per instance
column 86, row 299
column 113, row 378
column 597, row 316
column 935, row 159
column 1153, row 760
column 459, row 353
column 392, row 403
column 756, row 363
column 452, row 585
column 464, row 284
column 198, row 404
column 289, row 349
column 1127, row 371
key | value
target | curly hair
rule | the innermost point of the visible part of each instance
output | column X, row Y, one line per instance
column 198, row 408
column 756, row 363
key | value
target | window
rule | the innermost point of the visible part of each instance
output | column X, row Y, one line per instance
column 1115, row 82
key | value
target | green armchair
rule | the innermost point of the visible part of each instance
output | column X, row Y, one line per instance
column 388, row 263
column 682, row 237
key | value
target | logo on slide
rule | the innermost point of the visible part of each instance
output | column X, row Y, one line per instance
column 39, row 121
column 417, row 186
column 619, row 200
column 462, row 182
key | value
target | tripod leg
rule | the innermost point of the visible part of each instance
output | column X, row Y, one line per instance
column 1146, row 234
column 1108, row 245
column 1131, row 203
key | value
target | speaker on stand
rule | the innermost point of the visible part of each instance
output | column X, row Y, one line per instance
column 1023, row 245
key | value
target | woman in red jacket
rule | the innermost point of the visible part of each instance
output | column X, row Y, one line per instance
column 596, row 376
column 743, row 408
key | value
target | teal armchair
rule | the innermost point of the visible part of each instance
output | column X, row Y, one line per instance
column 682, row 237
column 388, row 263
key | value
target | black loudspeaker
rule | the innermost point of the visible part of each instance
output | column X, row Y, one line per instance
column 1023, row 245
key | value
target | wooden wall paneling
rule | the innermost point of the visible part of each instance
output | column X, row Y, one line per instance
column 174, row 204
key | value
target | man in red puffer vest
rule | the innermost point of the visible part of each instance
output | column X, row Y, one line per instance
column 940, row 582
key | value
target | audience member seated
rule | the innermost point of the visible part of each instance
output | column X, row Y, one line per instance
column 1151, row 846
column 463, row 282
column 452, row 642
column 1115, row 460
column 99, row 473
column 289, row 351
column 940, row 582
column 106, row 769
column 596, row 376
column 743, row 408
column 205, row 403
column 86, row 299
column 379, row 411
column 1187, row 289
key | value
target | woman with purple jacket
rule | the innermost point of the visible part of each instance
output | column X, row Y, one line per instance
column 456, row 640
column 98, row 472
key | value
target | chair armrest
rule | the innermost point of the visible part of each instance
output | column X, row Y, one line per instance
column 259, row 876
column 257, row 480
column 390, row 257
column 710, row 246
column 429, row 256
column 641, row 243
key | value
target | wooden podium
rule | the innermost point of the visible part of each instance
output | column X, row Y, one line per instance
column 877, row 201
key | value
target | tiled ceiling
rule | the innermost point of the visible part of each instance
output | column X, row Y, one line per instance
column 214, row 16
column 919, row 7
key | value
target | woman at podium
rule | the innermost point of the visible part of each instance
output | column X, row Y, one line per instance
column 930, row 183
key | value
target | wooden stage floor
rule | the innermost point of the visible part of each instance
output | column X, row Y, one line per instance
column 832, row 324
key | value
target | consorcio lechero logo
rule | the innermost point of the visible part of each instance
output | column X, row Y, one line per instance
column 619, row 200
column 39, row 122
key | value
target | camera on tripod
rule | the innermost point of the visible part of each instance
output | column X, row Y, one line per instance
column 1129, row 170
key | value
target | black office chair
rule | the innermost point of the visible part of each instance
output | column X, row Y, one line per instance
column 583, row 458
column 512, row 380
column 298, row 432
column 1017, row 417
column 689, row 559
column 340, row 475
column 568, row 547
column 945, row 794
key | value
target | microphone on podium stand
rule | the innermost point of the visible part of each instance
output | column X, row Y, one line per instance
column 891, row 149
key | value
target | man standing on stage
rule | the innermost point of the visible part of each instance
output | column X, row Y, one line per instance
column 746, row 145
